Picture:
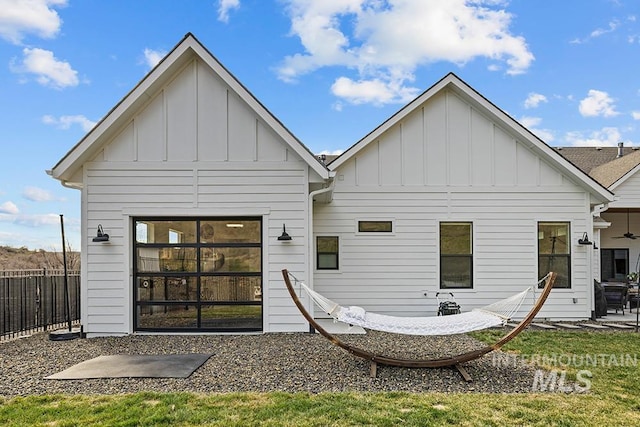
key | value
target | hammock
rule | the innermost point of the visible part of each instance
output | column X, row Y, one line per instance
column 496, row 314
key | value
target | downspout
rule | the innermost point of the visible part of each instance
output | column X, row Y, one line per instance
column 310, row 242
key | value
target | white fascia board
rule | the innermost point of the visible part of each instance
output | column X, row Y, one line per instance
column 140, row 94
column 392, row 121
column 453, row 82
column 295, row 144
column 145, row 90
column 525, row 136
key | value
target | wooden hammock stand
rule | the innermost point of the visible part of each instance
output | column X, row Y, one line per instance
column 449, row 361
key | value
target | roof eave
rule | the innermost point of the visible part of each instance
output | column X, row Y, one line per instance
column 453, row 82
column 185, row 51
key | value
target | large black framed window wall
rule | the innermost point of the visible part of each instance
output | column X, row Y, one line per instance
column 197, row 274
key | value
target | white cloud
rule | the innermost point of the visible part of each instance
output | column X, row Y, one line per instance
column 532, row 124
column 613, row 25
column 374, row 91
column 9, row 208
column 36, row 194
column 606, row 137
column 65, row 122
column 635, row 115
column 21, row 17
column 530, row 121
column 49, row 70
column 384, row 41
column 534, row 100
column 598, row 32
column 597, row 103
column 30, row 220
column 153, row 57
column 37, row 220
column 224, row 7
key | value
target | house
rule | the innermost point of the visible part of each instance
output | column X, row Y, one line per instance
column 194, row 197
column 616, row 168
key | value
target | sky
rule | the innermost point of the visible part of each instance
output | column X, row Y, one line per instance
column 330, row 70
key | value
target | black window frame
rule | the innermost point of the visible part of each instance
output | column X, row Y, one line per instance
column 447, row 257
column 549, row 261
column 336, row 254
column 613, row 267
column 197, row 274
column 371, row 224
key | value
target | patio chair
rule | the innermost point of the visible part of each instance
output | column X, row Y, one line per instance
column 616, row 296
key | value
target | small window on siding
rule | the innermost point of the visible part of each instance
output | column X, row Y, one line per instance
column 554, row 252
column 375, row 226
column 327, row 252
column 456, row 255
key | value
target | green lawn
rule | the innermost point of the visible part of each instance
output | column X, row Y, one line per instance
column 611, row 360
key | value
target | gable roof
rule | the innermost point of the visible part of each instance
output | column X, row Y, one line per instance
column 188, row 48
column 478, row 101
column 613, row 173
column 610, row 166
column 587, row 158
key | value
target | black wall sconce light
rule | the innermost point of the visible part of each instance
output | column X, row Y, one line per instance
column 585, row 240
column 101, row 236
column 284, row 236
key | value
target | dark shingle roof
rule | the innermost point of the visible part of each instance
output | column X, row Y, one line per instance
column 587, row 158
column 602, row 163
column 609, row 173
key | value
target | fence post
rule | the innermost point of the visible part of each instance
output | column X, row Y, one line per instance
column 38, row 306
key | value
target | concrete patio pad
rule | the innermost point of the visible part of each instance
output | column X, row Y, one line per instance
column 134, row 366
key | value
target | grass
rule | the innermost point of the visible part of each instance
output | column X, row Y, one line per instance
column 613, row 398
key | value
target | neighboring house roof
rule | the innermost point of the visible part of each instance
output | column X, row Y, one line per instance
column 587, row 158
column 478, row 101
column 604, row 164
column 610, row 174
column 68, row 168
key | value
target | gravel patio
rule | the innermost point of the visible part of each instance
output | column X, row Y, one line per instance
column 258, row 363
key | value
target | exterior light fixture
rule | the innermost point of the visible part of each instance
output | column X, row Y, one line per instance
column 284, row 236
column 585, row 240
column 101, row 236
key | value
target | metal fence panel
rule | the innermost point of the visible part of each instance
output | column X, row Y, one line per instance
column 34, row 300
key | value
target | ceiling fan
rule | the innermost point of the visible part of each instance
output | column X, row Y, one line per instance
column 628, row 234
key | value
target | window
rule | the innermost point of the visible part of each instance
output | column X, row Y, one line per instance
column 198, row 274
column 175, row 236
column 554, row 252
column 327, row 252
column 456, row 255
column 614, row 264
column 375, row 226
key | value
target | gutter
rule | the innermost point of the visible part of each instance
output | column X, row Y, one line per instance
column 310, row 225
column 64, row 183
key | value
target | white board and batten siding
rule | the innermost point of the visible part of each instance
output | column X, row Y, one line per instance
column 195, row 149
column 446, row 161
